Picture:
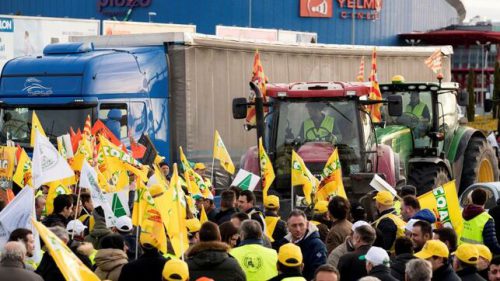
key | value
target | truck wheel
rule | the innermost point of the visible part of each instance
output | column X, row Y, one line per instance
column 427, row 176
column 480, row 163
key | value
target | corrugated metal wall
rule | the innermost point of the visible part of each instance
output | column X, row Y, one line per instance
column 397, row 16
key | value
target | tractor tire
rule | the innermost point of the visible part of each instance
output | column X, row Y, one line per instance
column 426, row 177
column 480, row 163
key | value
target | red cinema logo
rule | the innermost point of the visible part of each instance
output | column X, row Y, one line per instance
column 316, row 8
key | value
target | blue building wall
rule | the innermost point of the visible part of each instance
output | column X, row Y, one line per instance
column 396, row 16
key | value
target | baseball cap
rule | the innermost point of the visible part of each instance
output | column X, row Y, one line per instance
column 321, row 207
column 124, row 224
column 384, row 198
column 467, row 253
column 377, row 256
column 199, row 166
column 484, row 252
column 358, row 224
column 409, row 225
column 272, row 202
column 175, row 270
column 290, row 255
column 193, row 225
column 75, row 226
column 433, row 248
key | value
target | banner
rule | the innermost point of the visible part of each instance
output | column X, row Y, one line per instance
column 22, row 176
column 7, row 161
column 17, row 214
column 220, row 152
column 266, row 169
column 331, row 179
column 302, row 176
column 245, row 180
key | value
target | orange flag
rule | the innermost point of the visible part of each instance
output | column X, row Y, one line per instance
column 375, row 90
column 260, row 79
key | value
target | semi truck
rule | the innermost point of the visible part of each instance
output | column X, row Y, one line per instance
column 175, row 87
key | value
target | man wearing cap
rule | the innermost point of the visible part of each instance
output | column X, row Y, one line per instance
column 351, row 268
column 390, row 225
column 289, row 264
column 124, row 227
column 436, row 252
column 483, row 263
column 378, row 264
column 448, row 236
column 193, row 226
column 275, row 226
column 338, row 209
column 465, row 262
column 175, row 270
column 321, row 219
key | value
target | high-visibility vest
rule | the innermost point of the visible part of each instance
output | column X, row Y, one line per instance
column 257, row 261
column 295, row 278
column 417, row 110
column 473, row 229
column 313, row 133
column 400, row 225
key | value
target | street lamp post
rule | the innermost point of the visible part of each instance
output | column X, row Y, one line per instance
column 353, row 29
column 483, row 66
column 150, row 15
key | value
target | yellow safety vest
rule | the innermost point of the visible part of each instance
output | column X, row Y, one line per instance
column 400, row 224
column 473, row 229
column 418, row 110
column 257, row 261
column 295, row 278
column 314, row 133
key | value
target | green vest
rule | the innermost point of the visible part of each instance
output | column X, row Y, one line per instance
column 314, row 133
column 473, row 229
column 418, row 110
column 295, row 278
column 257, row 261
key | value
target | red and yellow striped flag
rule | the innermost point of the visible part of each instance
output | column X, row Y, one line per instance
column 260, row 79
column 87, row 128
column 361, row 72
column 375, row 90
column 435, row 61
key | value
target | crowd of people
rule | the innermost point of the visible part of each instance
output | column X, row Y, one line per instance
column 334, row 240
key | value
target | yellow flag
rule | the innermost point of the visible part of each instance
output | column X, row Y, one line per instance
column 331, row 183
column 443, row 202
column 139, row 204
column 35, row 125
column 271, row 223
column 195, row 182
column 152, row 229
column 177, row 230
column 57, row 188
column 84, row 152
column 220, row 152
column 70, row 266
column 266, row 169
column 302, row 176
column 203, row 215
column 22, row 175
column 111, row 159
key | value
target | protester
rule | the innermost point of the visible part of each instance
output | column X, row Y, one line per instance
column 246, row 204
column 175, row 270
column 418, row 270
column 124, row 227
column 465, row 262
column 351, row 268
column 63, row 206
column 209, row 205
column 85, row 215
column 421, row 233
column 165, row 169
column 479, row 226
column 40, row 202
column 326, row 272
column 358, row 212
column 227, row 207
column 403, row 248
column 448, row 236
column 321, row 219
column 338, row 208
column 229, row 234
column 111, row 258
column 494, row 269
column 12, row 263
column 275, row 226
column 378, row 264
column 257, row 261
column 100, row 230
column 483, row 263
column 409, row 207
column 76, row 230
column 495, row 214
column 193, row 227
column 26, row 237
column 305, row 235
column 84, row 250
column 238, row 218
column 344, row 248
column 390, row 225
column 289, row 263
column 437, row 253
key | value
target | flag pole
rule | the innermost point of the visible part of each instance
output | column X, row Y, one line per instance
column 137, row 242
column 79, row 191
column 213, row 168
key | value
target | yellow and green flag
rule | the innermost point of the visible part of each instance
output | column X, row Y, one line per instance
column 302, row 176
column 331, row 183
column 35, row 125
column 220, row 152
column 22, row 175
column 177, row 230
column 56, row 188
column 266, row 170
column 195, row 182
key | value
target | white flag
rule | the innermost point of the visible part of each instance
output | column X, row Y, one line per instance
column 88, row 179
column 17, row 214
column 245, row 180
column 47, row 164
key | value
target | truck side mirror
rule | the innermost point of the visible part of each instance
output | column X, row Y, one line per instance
column 395, row 105
column 488, row 105
column 463, row 98
column 239, row 108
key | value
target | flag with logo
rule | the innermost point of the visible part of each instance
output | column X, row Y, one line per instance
column 361, row 72
column 119, row 202
column 245, row 180
column 435, row 61
column 64, row 146
column 302, row 176
column 22, row 175
column 443, row 202
column 220, row 152
column 35, row 126
column 266, row 169
column 83, row 153
column 17, row 214
column 177, row 230
column 375, row 93
column 57, row 188
column 151, row 223
column 7, row 163
column 331, row 183
column 195, row 182
column 70, row 265
column 260, row 79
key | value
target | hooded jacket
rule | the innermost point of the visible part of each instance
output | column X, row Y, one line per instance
column 469, row 274
column 109, row 263
column 55, row 220
column 489, row 233
column 211, row 259
column 100, row 230
column 313, row 250
column 351, row 268
column 382, row 272
column 398, row 265
column 425, row 215
column 445, row 273
column 337, row 234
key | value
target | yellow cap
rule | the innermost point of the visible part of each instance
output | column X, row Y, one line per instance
column 158, row 159
column 155, row 190
column 484, row 252
column 175, row 270
column 396, row 79
column 321, row 207
column 272, row 202
column 433, row 248
column 384, row 198
column 467, row 253
column 199, row 166
column 193, row 225
column 290, row 255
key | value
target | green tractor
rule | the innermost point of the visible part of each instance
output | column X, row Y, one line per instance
column 422, row 127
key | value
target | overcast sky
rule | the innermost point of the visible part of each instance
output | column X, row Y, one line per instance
column 489, row 9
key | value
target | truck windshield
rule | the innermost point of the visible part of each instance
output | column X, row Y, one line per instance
column 15, row 123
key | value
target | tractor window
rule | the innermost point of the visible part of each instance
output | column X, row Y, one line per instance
column 448, row 111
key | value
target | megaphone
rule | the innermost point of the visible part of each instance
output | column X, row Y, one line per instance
column 321, row 8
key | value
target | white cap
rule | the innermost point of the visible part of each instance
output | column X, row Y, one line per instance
column 77, row 226
column 358, row 224
column 124, row 224
column 409, row 225
column 377, row 256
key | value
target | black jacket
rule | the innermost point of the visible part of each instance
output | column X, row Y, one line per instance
column 388, row 229
column 49, row 270
column 257, row 215
column 282, row 276
column 469, row 274
column 351, row 268
column 279, row 231
column 445, row 273
column 16, row 271
column 398, row 266
column 495, row 213
column 211, row 259
column 55, row 220
column 224, row 216
column 382, row 272
column 147, row 267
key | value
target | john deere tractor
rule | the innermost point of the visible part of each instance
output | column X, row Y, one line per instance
column 423, row 128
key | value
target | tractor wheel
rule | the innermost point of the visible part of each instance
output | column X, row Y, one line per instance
column 480, row 163
column 427, row 176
